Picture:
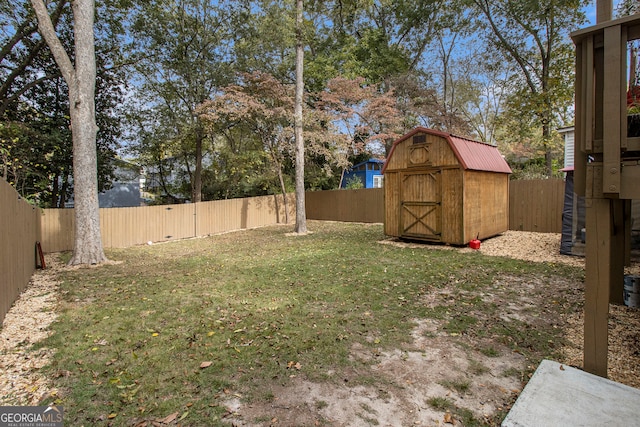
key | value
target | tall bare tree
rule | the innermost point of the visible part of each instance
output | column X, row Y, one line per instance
column 301, row 215
column 81, row 80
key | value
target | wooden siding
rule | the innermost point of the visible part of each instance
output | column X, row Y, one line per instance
column 434, row 151
column 419, row 189
column 362, row 205
column 536, row 205
column 391, row 217
column 420, row 206
column 452, row 201
column 19, row 232
column 486, row 204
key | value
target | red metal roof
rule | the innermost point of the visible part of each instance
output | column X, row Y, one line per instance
column 472, row 155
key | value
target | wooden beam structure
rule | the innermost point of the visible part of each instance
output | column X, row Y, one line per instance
column 604, row 10
column 607, row 170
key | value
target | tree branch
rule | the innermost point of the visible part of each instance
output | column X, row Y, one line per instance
column 48, row 32
column 7, row 101
column 522, row 63
column 23, row 31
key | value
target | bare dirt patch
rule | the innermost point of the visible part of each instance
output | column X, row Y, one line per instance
column 439, row 370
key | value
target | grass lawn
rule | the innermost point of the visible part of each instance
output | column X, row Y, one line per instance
column 172, row 331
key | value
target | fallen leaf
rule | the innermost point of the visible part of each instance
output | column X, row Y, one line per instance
column 112, row 415
column 169, row 418
column 295, row 365
column 448, row 418
column 205, row 365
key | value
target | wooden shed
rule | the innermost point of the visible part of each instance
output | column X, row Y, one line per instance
column 444, row 188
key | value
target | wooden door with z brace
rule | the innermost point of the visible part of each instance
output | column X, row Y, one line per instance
column 421, row 205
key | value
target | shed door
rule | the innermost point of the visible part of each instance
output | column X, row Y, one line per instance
column 421, row 207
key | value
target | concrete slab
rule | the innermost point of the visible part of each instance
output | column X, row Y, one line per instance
column 559, row 395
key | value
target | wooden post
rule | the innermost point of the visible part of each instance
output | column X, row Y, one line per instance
column 605, row 251
column 596, row 307
column 604, row 10
column 600, row 246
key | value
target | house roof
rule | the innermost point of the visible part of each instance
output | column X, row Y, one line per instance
column 368, row 161
column 472, row 155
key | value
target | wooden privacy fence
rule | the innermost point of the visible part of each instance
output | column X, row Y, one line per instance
column 363, row 205
column 536, row 205
column 19, row 232
column 124, row 227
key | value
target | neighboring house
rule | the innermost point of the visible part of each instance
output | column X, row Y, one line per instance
column 568, row 136
column 573, row 237
column 126, row 187
column 369, row 173
column 573, row 212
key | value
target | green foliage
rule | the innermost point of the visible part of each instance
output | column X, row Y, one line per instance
column 35, row 112
column 354, row 183
column 532, row 37
column 534, row 169
column 181, row 56
column 434, row 63
column 626, row 8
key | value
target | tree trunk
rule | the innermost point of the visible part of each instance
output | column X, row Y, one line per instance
column 548, row 156
column 283, row 188
column 53, row 202
column 88, row 240
column 81, row 81
column 197, row 175
column 301, row 215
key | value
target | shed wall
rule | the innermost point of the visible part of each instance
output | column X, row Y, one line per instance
column 486, row 205
column 452, row 206
column 430, row 196
column 392, row 204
